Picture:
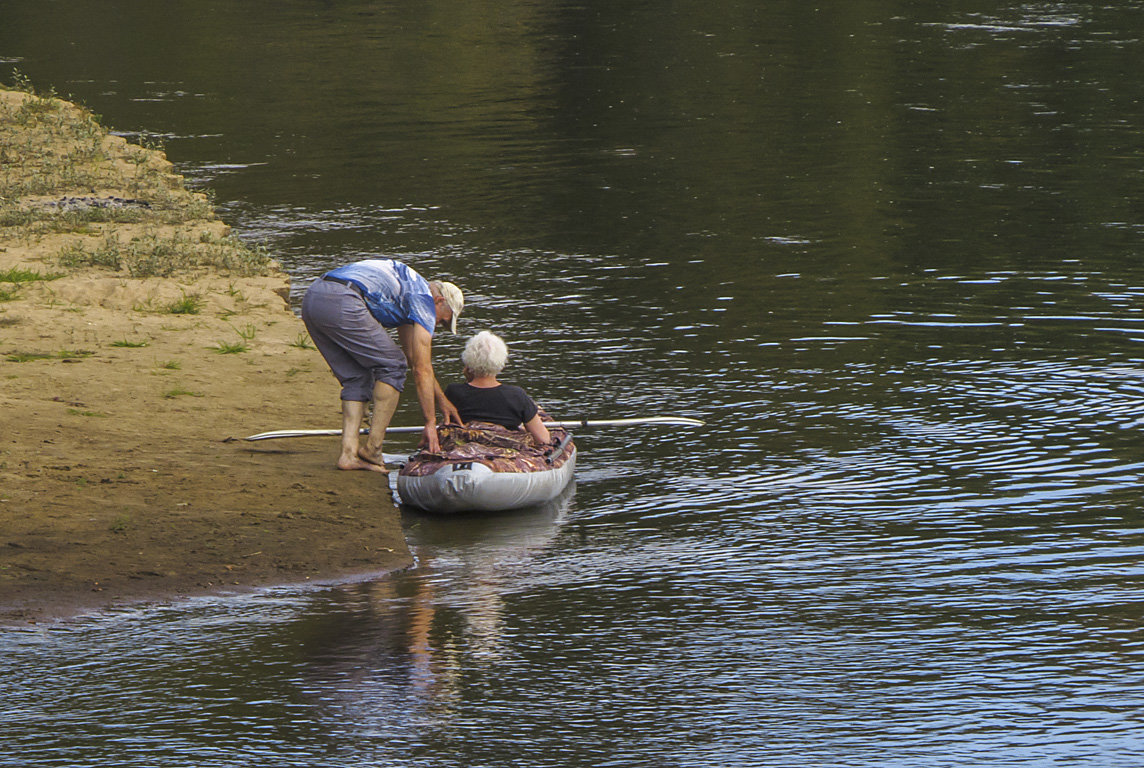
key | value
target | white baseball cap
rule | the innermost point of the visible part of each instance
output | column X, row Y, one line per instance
column 455, row 299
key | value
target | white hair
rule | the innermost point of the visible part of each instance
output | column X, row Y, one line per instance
column 485, row 354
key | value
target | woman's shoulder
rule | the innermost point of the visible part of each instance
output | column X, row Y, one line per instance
column 518, row 397
column 457, row 386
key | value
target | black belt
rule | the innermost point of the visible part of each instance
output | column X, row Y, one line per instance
column 343, row 281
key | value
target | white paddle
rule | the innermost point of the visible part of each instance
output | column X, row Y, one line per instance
column 573, row 424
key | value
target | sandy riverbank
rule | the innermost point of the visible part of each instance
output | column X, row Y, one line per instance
column 138, row 340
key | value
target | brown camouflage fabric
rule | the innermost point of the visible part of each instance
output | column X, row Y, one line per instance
column 500, row 449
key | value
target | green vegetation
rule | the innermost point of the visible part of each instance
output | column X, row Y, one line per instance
column 61, row 142
column 57, row 165
column 247, row 332
column 77, row 412
column 171, row 365
column 16, row 275
column 27, row 357
column 170, row 394
column 230, row 348
column 302, row 342
column 188, row 305
column 63, row 354
column 163, row 255
column 129, row 344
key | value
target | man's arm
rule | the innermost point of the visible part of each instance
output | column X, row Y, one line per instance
column 417, row 343
column 452, row 415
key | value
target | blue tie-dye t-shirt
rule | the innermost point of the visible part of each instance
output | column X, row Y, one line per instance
column 395, row 294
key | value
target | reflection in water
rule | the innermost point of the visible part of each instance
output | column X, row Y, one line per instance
column 414, row 637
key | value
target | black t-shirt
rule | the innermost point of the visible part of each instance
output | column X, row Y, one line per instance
column 507, row 405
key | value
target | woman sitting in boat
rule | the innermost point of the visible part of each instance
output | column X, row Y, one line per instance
column 482, row 398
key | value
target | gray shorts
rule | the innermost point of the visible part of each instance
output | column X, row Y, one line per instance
column 356, row 347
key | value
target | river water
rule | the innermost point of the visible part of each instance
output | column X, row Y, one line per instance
column 890, row 252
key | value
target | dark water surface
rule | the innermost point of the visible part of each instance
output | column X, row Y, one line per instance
column 891, row 251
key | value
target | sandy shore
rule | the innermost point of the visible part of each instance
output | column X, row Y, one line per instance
column 135, row 351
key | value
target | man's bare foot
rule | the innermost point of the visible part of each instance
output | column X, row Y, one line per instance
column 370, row 456
column 356, row 463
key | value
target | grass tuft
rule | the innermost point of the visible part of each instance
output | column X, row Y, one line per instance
column 27, row 357
column 170, row 394
column 77, row 412
column 17, row 275
column 247, row 332
column 302, row 341
column 72, row 354
column 230, row 348
column 188, row 305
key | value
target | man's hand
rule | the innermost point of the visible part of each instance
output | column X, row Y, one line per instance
column 429, row 439
column 452, row 415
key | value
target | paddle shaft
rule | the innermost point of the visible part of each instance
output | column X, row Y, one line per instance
column 571, row 424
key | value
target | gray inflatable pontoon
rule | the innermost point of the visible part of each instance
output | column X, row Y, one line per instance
column 463, row 486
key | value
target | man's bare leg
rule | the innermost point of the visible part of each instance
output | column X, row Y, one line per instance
column 384, row 404
column 353, row 412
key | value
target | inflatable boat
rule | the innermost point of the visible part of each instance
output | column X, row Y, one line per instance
column 485, row 467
